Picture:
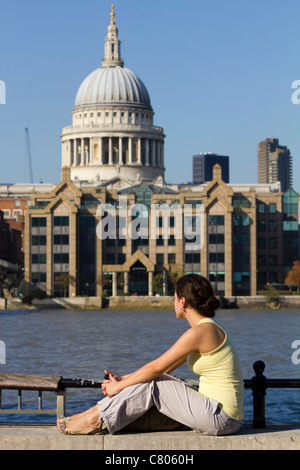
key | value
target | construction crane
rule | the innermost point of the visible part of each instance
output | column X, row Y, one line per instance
column 29, row 155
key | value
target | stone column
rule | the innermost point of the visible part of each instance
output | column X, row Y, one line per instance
column 75, row 152
column 126, row 282
column 64, row 160
column 162, row 154
column 159, row 153
column 150, row 283
column 91, row 150
column 154, row 152
column 147, row 152
column 71, row 149
column 130, row 150
column 120, row 151
column 114, row 284
column 82, row 152
column 110, row 151
column 139, row 151
column 100, row 151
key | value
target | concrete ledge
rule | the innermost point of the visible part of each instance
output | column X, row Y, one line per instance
column 139, row 302
column 19, row 437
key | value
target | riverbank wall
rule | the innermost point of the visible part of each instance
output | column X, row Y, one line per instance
column 142, row 303
column 48, row 438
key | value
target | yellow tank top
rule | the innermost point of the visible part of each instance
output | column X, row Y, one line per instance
column 220, row 375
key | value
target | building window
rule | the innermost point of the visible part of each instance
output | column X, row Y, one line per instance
column 261, row 208
column 272, row 208
column 272, row 225
column 273, row 277
column 261, row 225
column 216, row 257
column 171, row 240
column 171, row 258
column 241, row 220
column 17, row 212
column 216, row 238
column 159, row 240
column 39, row 258
column 38, row 222
column 38, row 240
column 241, row 203
column 261, row 243
column 262, row 278
column 272, row 243
column 216, row 220
column 160, row 259
column 61, row 221
column 61, row 239
column 38, row 278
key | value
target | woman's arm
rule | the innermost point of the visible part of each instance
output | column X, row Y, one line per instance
column 169, row 361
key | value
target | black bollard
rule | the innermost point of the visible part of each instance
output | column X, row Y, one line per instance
column 259, row 385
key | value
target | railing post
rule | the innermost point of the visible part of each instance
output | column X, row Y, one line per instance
column 259, row 385
column 61, row 403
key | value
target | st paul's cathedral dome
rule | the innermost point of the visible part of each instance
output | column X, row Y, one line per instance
column 112, row 133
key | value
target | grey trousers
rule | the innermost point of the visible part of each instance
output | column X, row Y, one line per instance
column 165, row 403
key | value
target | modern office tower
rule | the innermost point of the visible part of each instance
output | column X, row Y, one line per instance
column 203, row 167
column 274, row 164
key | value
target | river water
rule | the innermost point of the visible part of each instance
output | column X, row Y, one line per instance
column 81, row 344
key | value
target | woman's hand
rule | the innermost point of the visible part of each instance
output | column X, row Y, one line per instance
column 110, row 385
column 110, row 375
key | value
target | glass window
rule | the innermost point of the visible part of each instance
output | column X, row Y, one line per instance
column 216, row 220
column 262, row 278
column 216, row 257
column 159, row 240
column 290, row 225
column 160, row 258
column 272, row 225
column 273, row 277
column 216, row 238
column 35, row 259
column 241, row 202
column 261, row 225
column 261, row 208
column 171, row 258
column 241, row 220
column 171, row 240
column 272, row 208
column 38, row 222
column 261, row 242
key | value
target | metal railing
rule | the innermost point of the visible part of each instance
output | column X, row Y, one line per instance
column 258, row 384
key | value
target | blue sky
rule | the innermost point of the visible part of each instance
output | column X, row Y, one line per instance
column 219, row 74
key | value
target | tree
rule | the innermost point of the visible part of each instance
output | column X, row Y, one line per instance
column 64, row 280
column 293, row 276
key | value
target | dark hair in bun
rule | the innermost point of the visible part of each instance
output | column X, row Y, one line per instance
column 198, row 293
